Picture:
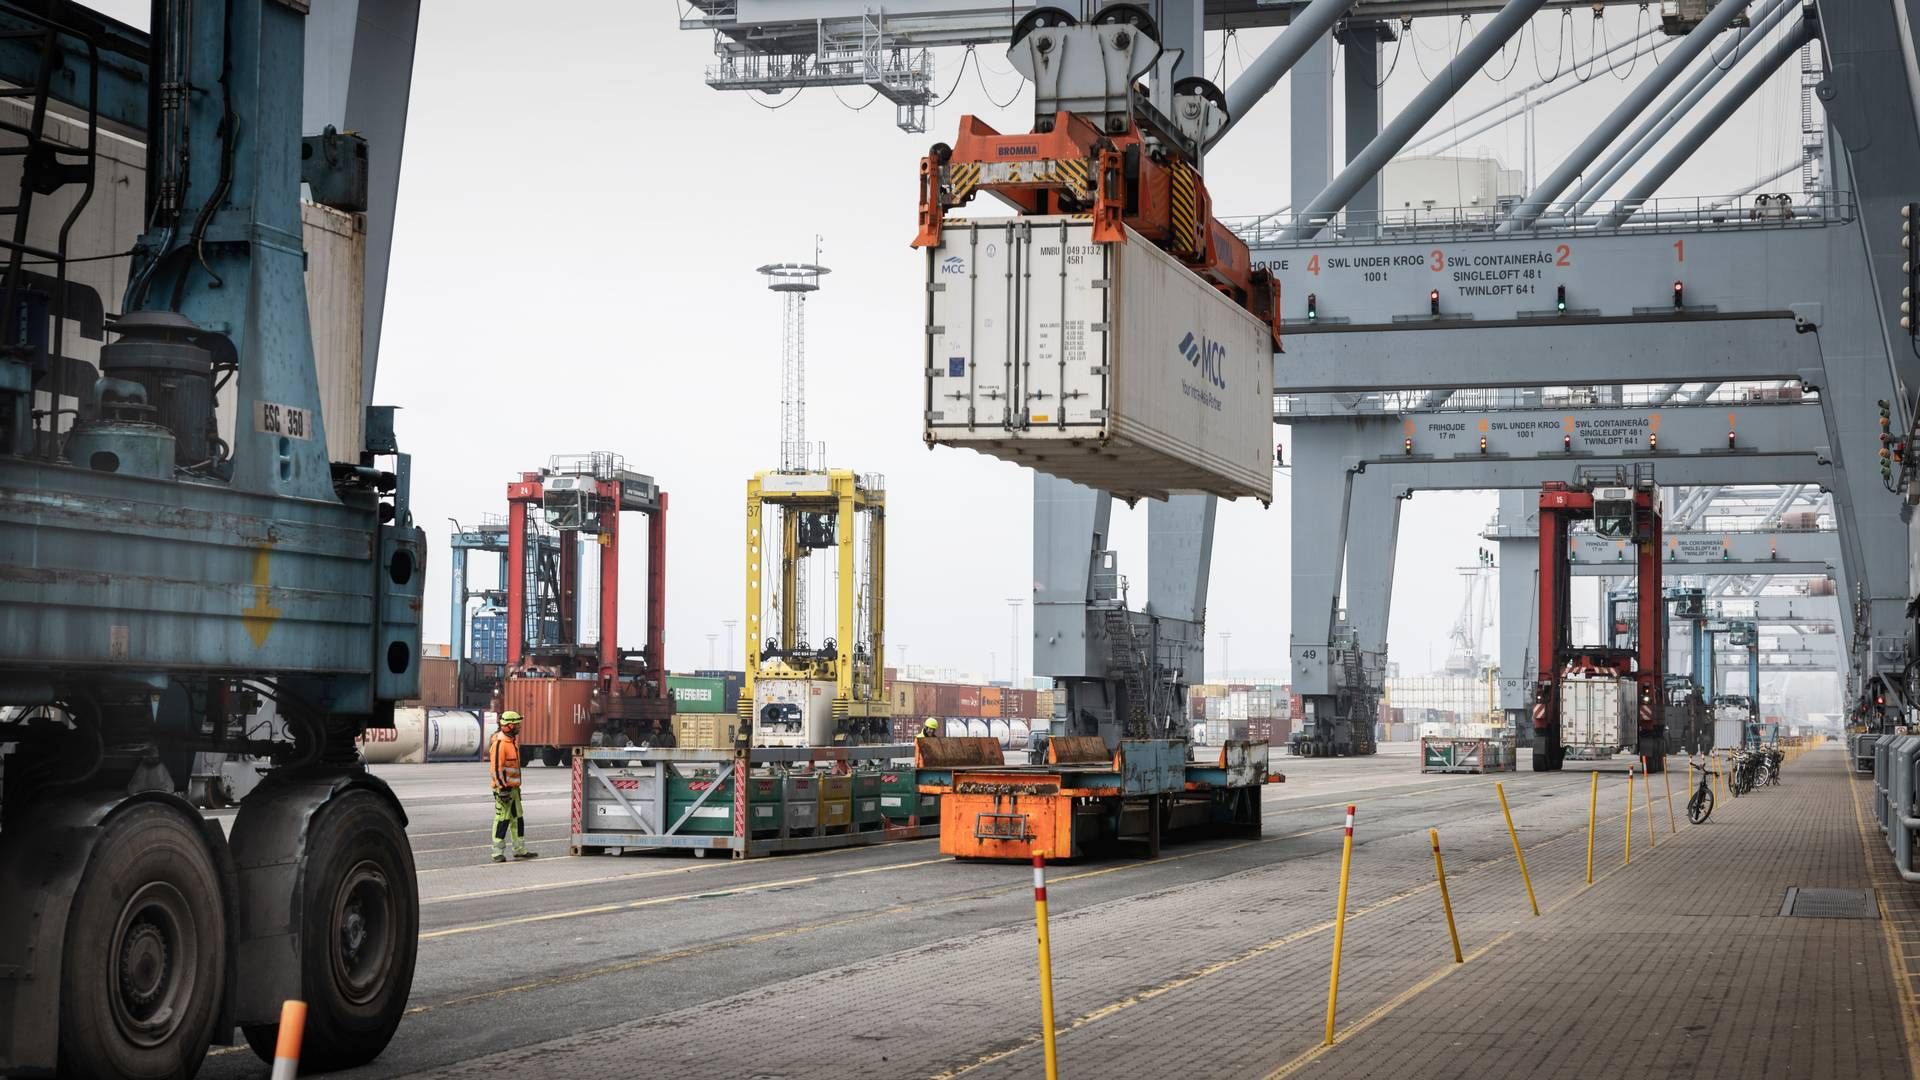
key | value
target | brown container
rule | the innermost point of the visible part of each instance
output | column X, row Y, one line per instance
column 953, row 700
column 904, row 698
column 704, row 731
column 439, row 683
column 1261, row 730
column 553, row 712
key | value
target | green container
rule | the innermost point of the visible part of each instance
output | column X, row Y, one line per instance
column 900, row 798
column 697, row 694
column 715, row 816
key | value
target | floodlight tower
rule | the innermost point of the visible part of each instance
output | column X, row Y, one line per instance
column 793, row 281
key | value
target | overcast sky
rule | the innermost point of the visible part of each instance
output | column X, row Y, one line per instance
column 573, row 269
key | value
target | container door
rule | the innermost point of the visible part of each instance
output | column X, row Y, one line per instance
column 1064, row 372
column 972, row 318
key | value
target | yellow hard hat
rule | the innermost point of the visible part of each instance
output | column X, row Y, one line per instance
column 931, row 724
column 510, row 717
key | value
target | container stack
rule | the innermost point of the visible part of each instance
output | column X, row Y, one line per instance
column 1006, row 713
column 1241, row 712
column 703, row 716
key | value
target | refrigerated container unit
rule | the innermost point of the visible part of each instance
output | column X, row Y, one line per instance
column 1597, row 718
column 1111, row 365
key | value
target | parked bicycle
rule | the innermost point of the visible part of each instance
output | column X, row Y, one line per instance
column 1700, row 805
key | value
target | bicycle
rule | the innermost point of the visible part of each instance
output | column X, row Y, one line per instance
column 1700, row 805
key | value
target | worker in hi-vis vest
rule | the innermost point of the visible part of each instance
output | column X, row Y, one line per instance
column 503, row 765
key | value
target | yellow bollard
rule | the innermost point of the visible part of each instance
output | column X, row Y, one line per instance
column 1593, row 805
column 1046, row 964
column 1446, row 902
column 1517, row 856
column 1667, row 775
column 1339, row 927
column 1627, row 860
column 286, row 1049
column 1646, row 792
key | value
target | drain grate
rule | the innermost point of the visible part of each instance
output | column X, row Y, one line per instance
column 1830, row 904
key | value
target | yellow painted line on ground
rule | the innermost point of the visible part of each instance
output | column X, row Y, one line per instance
column 1901, row 964
column 701, row 950
column 1194, row 976
column 1386, row 1007
column 917, row 906
column 1381, row 1011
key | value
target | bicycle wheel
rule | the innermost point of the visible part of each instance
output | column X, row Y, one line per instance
column 1700, row 807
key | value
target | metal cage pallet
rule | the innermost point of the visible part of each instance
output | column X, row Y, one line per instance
column 754, row 802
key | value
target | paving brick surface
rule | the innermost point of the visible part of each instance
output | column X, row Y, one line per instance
column 1677, row 965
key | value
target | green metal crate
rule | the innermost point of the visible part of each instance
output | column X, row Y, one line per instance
column 715, row 816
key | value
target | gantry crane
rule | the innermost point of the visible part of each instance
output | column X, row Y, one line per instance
column 569, row 691
column 798, row 691
column 1605, row 698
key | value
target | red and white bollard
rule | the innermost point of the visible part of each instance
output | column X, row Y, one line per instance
column 286, row 1050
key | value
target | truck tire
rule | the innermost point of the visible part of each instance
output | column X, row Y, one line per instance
column 1548, row 754
column 361, row 910
column 146, row 950
column 1654, row 749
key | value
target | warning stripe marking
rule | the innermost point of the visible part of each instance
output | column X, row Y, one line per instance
column 963, row 179
column 1185, row 210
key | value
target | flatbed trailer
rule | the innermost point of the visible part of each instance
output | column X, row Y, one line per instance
column 1086, row 795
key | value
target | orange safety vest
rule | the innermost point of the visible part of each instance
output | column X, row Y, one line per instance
column 503, row 761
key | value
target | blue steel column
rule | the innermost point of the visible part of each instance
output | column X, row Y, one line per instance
column 359, row 78
column 1361, row 47
column 1373, row 541
column 1311, row 163
column 1070, row 524
column 1183, row 43
column 1517, row 548
column 1179, row 568
column 1642, row 95
column 1471, row 58
column 1308, row 30
column 457, row 624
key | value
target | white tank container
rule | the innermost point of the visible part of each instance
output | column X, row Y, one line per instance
column 454, row 735
column 403, row 744
column 1001, row 732
column 1019, row 733
column 1111, row 365
column 979, row 729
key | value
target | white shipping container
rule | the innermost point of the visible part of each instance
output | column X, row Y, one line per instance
column 1110, row 365
column 1597, row 714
